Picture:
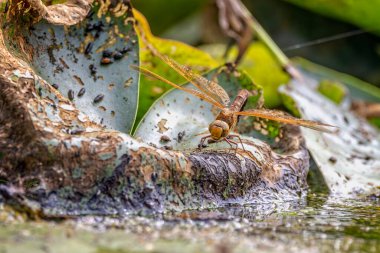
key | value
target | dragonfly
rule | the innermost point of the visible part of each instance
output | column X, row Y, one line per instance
column 225, row 122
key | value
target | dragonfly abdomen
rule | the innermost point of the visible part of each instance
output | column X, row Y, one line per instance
column 240, row 100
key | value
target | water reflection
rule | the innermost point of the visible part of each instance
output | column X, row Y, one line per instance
column 317, row 223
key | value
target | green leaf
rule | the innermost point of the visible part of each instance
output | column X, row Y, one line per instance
column 358, row 88
column 71, row 58
column 333, row 90
column 364, row 13
column 260, row 65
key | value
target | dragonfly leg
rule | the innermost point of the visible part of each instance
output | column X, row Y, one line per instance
column 236, row 136
column 230, row 143
column 201, row 144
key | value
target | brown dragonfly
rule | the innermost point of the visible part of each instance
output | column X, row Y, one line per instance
column 227, row 119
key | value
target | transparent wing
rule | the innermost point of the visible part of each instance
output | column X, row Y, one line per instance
column 191, row 91
column 287, row 119
column 211, row 88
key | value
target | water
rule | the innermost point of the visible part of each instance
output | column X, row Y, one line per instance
column 315, row 224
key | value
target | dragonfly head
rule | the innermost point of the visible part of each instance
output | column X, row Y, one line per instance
column 218, row 129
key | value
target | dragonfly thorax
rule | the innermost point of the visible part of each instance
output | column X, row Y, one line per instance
column 219, row 129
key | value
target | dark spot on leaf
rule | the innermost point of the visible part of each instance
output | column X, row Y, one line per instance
column 107, row 53
column 165, row 139
column 92, row 69
column 111, row 86
column 98, row 98
column 76, row 131
column 117, row 55
column 71, row 95
column 128, row 82
column 346, row 120
column 55, row 86
column 89, row 47
column 332, row 160
column 78, row 79
column 125, row 50
column 152, row 144
column 180, row 136
column 168, row 147
column 81, row 92
column 64, row 63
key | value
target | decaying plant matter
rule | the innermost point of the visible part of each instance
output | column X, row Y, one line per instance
column 56, row 161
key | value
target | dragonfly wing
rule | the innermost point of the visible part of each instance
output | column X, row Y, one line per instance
column 190, row 91
column 211, row 88
column 280, row 116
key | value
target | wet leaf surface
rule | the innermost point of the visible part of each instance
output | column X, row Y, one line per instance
column 317, row 224
column 349, row 160
column 89, row 64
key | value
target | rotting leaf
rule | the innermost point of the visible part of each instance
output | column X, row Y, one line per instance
column 82, row 64
column 85, row 169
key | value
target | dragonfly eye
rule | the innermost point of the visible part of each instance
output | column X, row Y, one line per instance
column 218, row 129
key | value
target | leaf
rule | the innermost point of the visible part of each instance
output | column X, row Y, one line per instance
column 260, row 65
column 357, row 88
column 89, row 63
column 349, row 160
column 361, row 13
column 179, row 120
column 194, row 58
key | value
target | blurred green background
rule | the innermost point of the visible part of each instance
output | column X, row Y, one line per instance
column 195, row 22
